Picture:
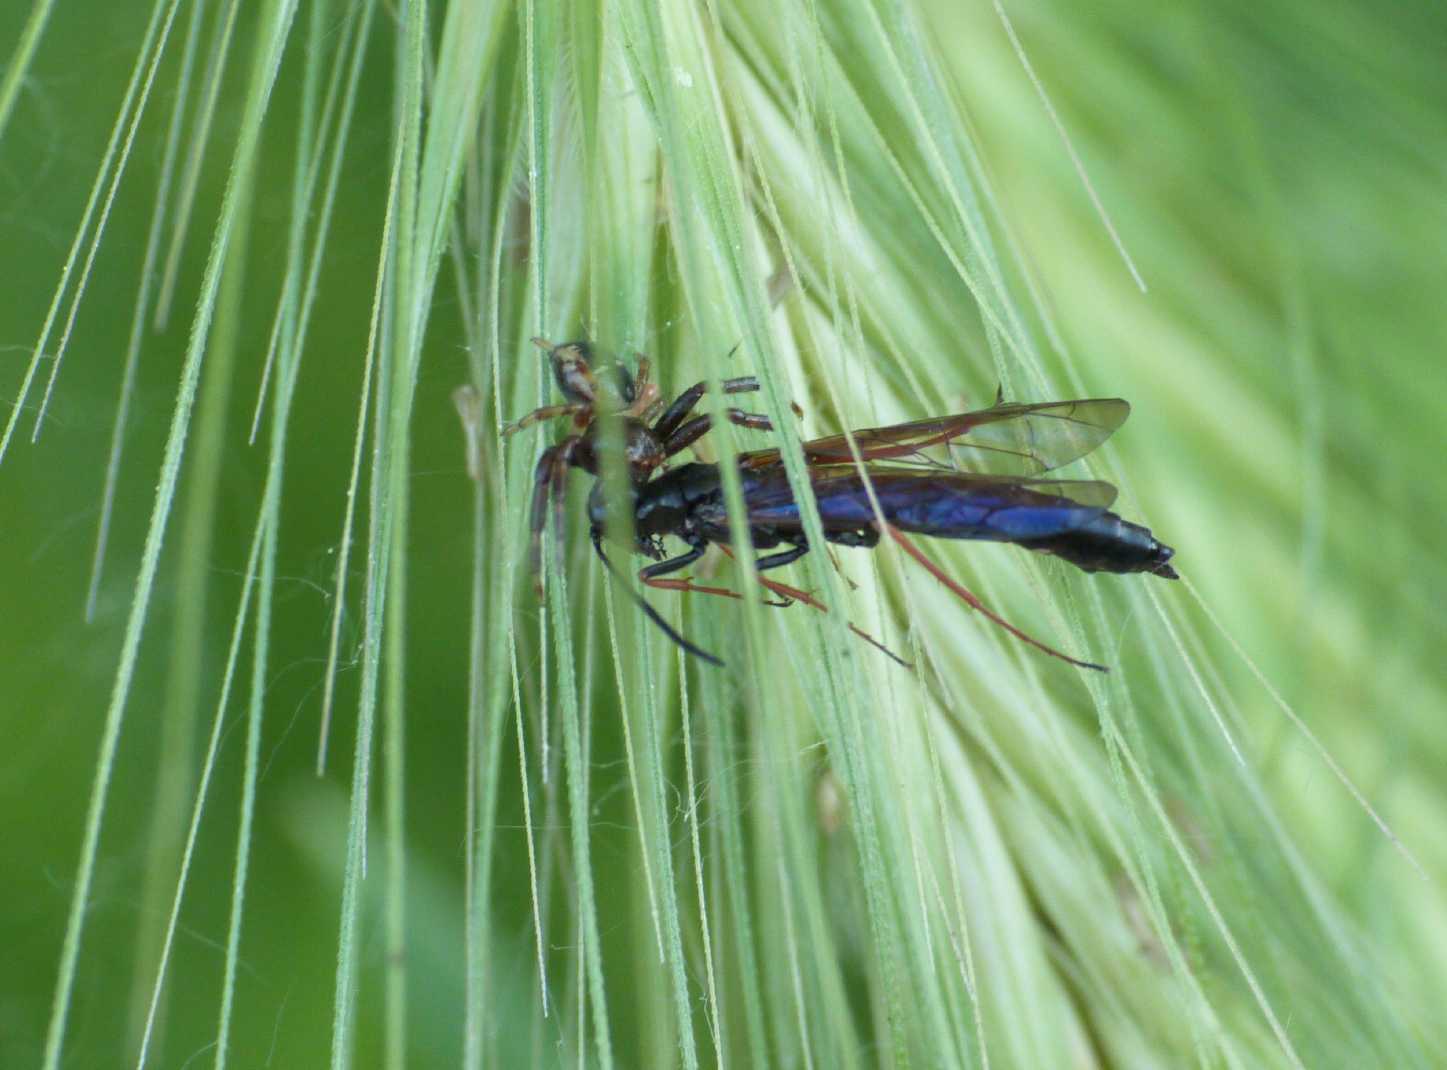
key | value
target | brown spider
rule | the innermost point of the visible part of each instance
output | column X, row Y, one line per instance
column 628, row 396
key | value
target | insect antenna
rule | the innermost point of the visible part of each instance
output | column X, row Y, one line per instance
column 648, row 611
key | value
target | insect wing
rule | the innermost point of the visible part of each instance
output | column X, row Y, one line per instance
column 1008, row 439
column 1037, row 438
column 1091, row 493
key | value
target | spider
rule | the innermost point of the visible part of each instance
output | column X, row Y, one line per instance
column 632, row 397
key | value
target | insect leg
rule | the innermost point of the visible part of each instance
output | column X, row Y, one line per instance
column 782, row 558
column 673, row 564
column 867, row 538
column 682, row 405
column 652, row 575
column 975, row 604
column 795, row 594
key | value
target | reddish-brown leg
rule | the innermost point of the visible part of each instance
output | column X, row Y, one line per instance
column 652, row 575
column 547, row 412
column 686, row 585
column 975, row 604
column 795, row 594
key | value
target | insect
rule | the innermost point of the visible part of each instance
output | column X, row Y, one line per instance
column 902, row 485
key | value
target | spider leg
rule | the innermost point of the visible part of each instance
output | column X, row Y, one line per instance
column 559, row 487
column 645, row 400
column 682, row 405
column 538, row 517
column 695, row 429
column 547, row 473
column 547, row 412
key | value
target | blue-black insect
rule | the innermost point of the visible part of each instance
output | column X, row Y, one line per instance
column 974, row 475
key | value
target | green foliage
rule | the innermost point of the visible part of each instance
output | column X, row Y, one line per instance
column 540, row 836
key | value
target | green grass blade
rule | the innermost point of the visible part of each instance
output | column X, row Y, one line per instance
column 1213, row 856
column 19, row 64
column 268, row 58
column 97, row 210
column 142, row 307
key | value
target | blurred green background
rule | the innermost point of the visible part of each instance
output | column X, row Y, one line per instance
column 1276, row 173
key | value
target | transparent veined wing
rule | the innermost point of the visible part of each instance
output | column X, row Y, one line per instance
column 1006, row 439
